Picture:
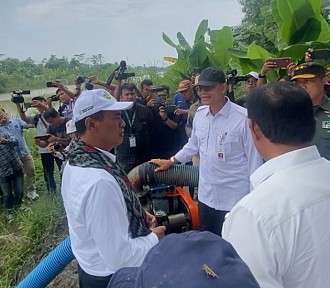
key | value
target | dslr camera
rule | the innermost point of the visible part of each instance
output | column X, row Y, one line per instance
column 17, row 96
column 233, row 78
column 81, row 79
column 57, row 146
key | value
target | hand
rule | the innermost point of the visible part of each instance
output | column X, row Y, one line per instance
column 159, row 231
column 93, row 79
column 162, row 163
column 180, row 111
column 151, row 220
column 162, row 113
column 37, row 141
column 167, row 102
column 57, row 84
column 151, row 103
column 39, row 104
column 291, row 69
column 53, row 139
column 51, row 148
column 308, row 55
column 269, row 65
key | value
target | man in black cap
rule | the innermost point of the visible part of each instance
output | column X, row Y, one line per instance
column 312, row 77
column 228, row 157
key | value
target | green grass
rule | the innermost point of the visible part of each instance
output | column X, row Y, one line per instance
column 33, row 233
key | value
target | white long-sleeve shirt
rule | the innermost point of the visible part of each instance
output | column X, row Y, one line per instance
column 98, row 223
column 227, row 155
column 282, row 228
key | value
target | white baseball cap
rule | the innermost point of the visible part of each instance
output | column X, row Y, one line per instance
column 70, row 127
column 92, row 101
column 253, row 74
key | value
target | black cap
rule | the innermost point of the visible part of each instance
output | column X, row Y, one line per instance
column 38, row 98
column 189, row 259
column 211, row 76
column 308, row 70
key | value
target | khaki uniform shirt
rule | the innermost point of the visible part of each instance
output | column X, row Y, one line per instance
column 322, row 133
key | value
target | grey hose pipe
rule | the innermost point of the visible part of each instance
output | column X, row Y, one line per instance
column 179, row 175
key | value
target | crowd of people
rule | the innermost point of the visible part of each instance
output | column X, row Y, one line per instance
column 262, row 160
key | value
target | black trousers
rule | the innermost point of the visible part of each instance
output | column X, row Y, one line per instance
column 47, row 160
column 210, row 219
column 90, row 281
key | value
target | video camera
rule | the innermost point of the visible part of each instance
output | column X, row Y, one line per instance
column 17, row 96
column 232, row 77
column 121, row 73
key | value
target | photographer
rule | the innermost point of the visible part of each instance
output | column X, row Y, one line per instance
column 15, row 127
column 146, row 89
column 57, row 132
column 250, row 83
column 47, row 159
column 136, row 147
column 186, row 90
column 166, row 136
column 57, row 149
column 67, row 103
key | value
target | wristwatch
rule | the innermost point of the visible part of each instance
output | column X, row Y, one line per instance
column 173, row 159
column 261, row 76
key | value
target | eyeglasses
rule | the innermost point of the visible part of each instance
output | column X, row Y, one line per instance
column 205, row 88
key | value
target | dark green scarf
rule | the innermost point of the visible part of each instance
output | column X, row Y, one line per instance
column 85, row 156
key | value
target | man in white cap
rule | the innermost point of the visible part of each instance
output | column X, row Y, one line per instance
column 251, row 80
column 108, row 227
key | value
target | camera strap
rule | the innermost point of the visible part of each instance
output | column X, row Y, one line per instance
column 36, row 120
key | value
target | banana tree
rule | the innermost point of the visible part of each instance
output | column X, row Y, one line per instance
column 301, row 26
column 210, row 48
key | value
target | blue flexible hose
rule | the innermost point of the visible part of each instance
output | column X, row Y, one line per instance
column 49, row 267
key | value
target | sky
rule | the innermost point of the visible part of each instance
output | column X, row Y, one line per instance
column 129, row 30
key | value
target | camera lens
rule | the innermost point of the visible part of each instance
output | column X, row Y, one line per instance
column 57, row 146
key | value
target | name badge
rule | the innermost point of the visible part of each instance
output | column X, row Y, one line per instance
column 221, row 155
column 326, row 124
column 132, row 141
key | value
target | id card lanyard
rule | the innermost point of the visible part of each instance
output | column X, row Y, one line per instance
column 132, row 139
column 221, row 153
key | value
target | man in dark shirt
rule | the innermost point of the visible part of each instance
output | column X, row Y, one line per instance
column 136, row 147
column 146, row 91
column 166, row 138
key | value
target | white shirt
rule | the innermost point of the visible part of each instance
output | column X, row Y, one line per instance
column 282, row 228
column 223, row 181
column 98, row 223
column 41, row 130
